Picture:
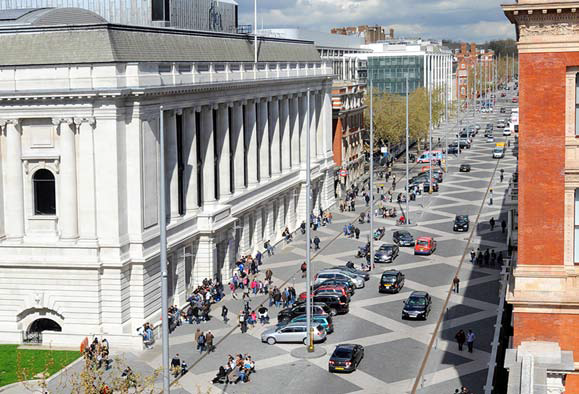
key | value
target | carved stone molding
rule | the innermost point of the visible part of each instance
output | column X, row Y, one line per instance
column 552, row 29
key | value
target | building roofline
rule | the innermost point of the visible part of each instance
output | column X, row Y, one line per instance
column 143, row 29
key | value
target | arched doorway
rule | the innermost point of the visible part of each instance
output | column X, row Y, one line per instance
column 34, row 332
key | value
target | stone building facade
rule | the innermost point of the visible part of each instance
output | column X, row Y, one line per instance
column 79, row 233
column 545, row 291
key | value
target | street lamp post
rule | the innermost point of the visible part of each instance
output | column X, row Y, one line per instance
column 163, row 254
column 371, row 175
column 446, row 122
column 407, row 216
column 308, row 232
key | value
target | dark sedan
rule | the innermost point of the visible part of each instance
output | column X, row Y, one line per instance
column 403, row 238
column 461, row 223
column 417, row 306
column 452, row 149
column 386, row 254
column 464, row 168
column 391, row 281
column 346, row 358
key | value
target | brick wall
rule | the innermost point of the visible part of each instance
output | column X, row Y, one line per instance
column 572, row 384
column 552, row 327
column 337, row 143
column 542, row 156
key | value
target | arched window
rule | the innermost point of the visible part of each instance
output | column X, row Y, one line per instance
column 44, row 193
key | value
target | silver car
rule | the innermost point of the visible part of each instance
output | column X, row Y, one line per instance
column 293, row 332
column 328, row 274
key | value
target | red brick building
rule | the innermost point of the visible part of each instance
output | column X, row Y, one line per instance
column 466, row 59
column 348, row 127
column 545, row 291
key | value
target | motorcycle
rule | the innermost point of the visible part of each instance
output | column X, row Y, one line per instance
column 363, row 251
column 379, row 233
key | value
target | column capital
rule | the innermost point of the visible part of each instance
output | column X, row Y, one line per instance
column 58, row 121
column 12, row 121
column 91, row 120
column 179, row 111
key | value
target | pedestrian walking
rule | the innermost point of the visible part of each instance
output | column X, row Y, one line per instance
column 456, row 283
column 492, row 223
column 367, row 198
column 470, row 337
column 268, row 247
column 224, row 312
column 304, row 269
column 502, row 175
column 242, row 322
column 487, row 257
column 491, row 197
column 201, row 343
column 460, row 339
column 317, row 242
column 357, row 232
column 472, row 256
column 503, row 226
column 209, row 341
column 268, row 274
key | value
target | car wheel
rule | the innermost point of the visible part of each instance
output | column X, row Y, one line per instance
column 333, row 312
column 271, row 341
column 306, row 341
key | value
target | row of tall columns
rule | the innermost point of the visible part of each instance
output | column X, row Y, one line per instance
column 14, row 186
column 242, row 144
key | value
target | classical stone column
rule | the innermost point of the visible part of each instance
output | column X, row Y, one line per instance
column 68, row 206
column 224, row 151
column 295, row 130
column 320, row 121
column 251, row 143
column 303, row 121
column 328, row 122
column 312, row 125
column 171, row 176
column 86, row 185
column 274, row 135
column 14, row 186
column 285, row 135
column 263, row 140
column 189, row 137
column 208, row 155
column 237, row 147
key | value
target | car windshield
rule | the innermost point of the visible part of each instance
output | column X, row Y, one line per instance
column 389, row 278
column 416, row 301
column 498, row 150
column 405, row 235
column 386, row 248
column 422, row 242
column 342, row 353
column 461, row 219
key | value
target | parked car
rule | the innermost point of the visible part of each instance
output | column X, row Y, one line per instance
column 346, row 358
column 491, row 138
column 300, row 309
column 461, row 223
column 324, row 321
column 294, row 332
column 386, row 253
column 338, row 303
column 425, row 245
column 339, row 290
column 437, row 174
column 464, row 168
column 403, row 238
column 325, row 275
column 345, row 283
column 391, row 281
column 363, row 274
column 417, row 306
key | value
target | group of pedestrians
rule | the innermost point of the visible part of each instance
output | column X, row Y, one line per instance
column 462, row 337
column 204, row 341
column 236, row 369
column 97, row 353
column 282, row 298
column 489, row 259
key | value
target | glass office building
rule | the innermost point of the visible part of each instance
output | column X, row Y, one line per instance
column 388, row 73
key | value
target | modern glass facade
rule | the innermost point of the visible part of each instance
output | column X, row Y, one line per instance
column 388, row 73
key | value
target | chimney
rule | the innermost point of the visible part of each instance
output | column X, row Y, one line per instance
column 463, row 48
column 391, row 33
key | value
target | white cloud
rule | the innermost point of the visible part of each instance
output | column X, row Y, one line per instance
column 455, row 19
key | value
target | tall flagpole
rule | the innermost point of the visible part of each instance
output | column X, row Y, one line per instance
column 371, row 175
column 407, row 216
column 163, row 255
column 255, row 30
column 308, row 231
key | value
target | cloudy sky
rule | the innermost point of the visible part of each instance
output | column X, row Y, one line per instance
column 477, row 20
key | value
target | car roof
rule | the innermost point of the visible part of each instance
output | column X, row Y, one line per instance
column 462, row 216
column 349, row 346
column 418, row 294
column 424, row 238
column 386, row 246
column 403, row 232
column 391, row 272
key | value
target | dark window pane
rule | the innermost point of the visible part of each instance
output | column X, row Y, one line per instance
column 44, row 193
